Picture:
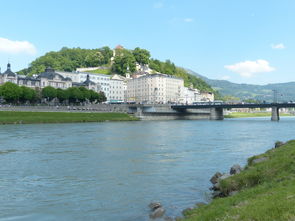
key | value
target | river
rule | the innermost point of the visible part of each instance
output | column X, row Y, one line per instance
column 113, row 170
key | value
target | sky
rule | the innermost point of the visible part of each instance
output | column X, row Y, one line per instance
column 243, row 41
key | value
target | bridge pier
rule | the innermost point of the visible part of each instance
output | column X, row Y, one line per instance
column 275, row 114
column 216, row 113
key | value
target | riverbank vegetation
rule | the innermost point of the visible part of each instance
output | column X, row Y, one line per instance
column 264, row 190
column 254, row 114
column 19, row 117
column 13, row 94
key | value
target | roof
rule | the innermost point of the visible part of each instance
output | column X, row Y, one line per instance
column 119, row 47
column 27, row 78
column 8, row 72
column 85, row 83
column 51, row 74
column 88, row 81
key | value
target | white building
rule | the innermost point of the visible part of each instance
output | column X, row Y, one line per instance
column 154, row 88
column 190, row 95
column 118, row 87
column 102, row 80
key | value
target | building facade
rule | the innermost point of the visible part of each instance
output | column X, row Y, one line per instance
column 154, row 88
column 102, row 80
column 47, row 78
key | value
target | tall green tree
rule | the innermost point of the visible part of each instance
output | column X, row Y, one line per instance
column 75, row 94
column 10, row 92
column 62, row 95
column 27, row 94
column 107, row 53
column 85, row 93
column 49, row 93
column 123, row 61
column 142, row 56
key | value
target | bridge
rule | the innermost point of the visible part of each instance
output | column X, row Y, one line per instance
column 217, row 108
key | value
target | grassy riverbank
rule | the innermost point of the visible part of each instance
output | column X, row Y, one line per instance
column 18, row 117
column 266, row 190
column 256, row 114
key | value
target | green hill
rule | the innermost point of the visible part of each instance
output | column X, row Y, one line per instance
column 68, row 59
column 285, row 91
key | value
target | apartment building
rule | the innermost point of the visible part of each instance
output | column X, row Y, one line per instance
column 154, row 88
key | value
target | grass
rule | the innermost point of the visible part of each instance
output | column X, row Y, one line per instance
column 266, row 190
column 101, row 71
column 18, row 117
column 255, row 114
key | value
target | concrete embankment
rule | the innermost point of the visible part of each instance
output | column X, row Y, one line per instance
column 165, row 112
column 106, row 108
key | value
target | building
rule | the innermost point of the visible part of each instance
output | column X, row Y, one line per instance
column 53, row 79
column 47, row 78
column 27, row 81
column 8, row 76
column 154, row 88
column 207, row 96
column 189, row 95
column 118, row 87
column 102, row 80
column 88, row 84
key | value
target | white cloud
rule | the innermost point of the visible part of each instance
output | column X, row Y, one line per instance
column 188, row 20
column 16, row 47
column 250, row 68
column 225, row 77
column 158, row 5
column 278, row 46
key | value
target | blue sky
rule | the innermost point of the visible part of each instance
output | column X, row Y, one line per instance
column 244, row 41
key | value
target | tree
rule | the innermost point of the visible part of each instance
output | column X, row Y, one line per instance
column 27, row 94
column 10, row 92
column 94, row 59
column 49, row 93
column 107, row 53
column 75, row 95
column 62, row 95
column 101, row 97
column 142, row 56
column 85, row 93
column 124, row 59
column 94, row 96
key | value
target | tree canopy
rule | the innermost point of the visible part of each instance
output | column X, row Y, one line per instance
column 68, row 59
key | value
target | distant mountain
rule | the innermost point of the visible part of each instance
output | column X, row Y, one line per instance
column 286, row 91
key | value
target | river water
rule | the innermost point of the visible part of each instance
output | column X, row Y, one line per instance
column 112, row 171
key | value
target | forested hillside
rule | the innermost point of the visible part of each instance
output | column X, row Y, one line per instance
column 68, row 59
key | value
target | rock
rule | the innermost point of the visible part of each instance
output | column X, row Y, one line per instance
column 215, row 178
column 187, row 210
column 216, row 194
column 216, row 186
column 154, row 205
column 259, row 160
column 157, row 213
column 278, row 144
column 235, row 169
